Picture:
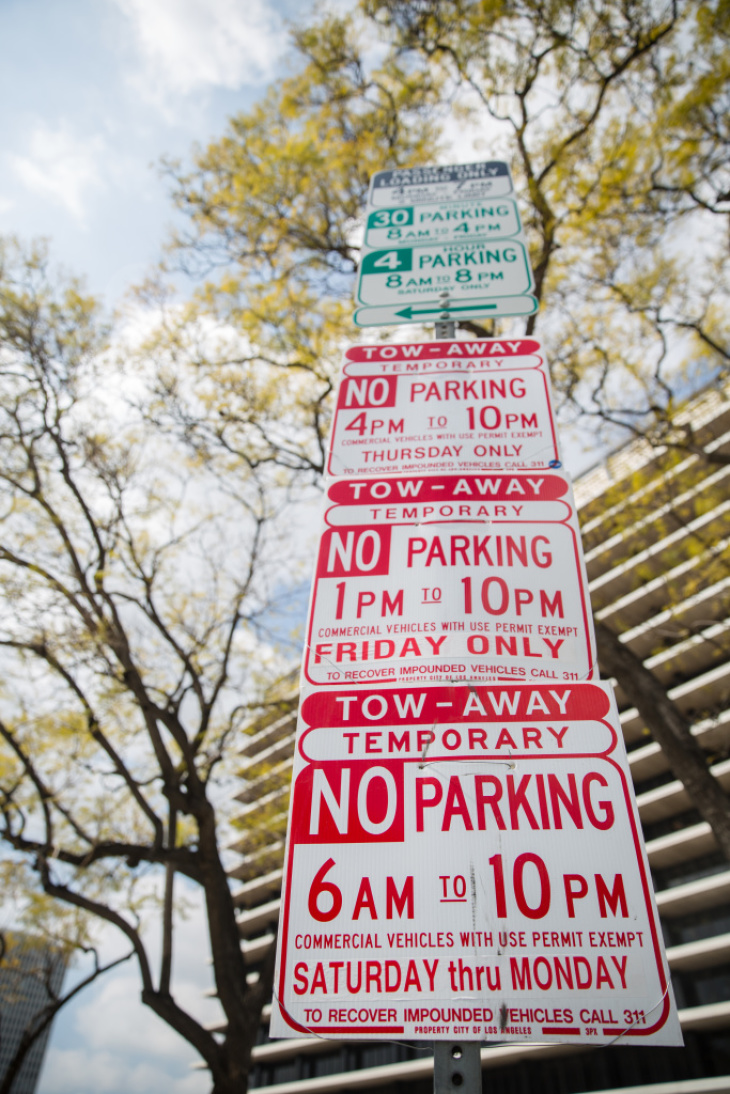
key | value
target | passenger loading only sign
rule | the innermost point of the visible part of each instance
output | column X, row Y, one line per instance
column 450, row 577
column 448, row 182
column 466, row 862
column 443, row 407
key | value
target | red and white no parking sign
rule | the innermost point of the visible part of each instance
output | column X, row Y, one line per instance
column 428, row 578
column 466, row 862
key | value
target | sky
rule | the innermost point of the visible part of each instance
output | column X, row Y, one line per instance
column 95, row 93
column 106, row 1042
column 101, row 90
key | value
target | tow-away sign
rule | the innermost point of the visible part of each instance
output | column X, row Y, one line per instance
column 461, row 577
column 466, row 862
column 459, row 406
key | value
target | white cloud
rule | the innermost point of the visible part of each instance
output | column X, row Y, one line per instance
column 113, row 1021
column 188, row 45
column 61, row 166
column 80, row 1071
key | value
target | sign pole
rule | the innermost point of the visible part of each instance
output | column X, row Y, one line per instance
column 445, row 327
column 457, row 1067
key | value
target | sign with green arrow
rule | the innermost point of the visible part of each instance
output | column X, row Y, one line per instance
column 433, row 311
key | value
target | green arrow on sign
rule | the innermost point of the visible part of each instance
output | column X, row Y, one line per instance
column 408, row 313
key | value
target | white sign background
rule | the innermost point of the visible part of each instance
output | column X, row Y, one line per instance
column 473, row 577
column 467, row 862
column 461, row 406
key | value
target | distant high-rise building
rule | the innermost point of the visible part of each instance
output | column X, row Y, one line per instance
column 656, row 534
column 31, row 975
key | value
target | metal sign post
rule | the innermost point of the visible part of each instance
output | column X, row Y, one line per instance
column 457, row 1066
column 445, row 328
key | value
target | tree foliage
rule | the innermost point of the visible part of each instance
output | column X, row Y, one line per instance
column 615, row 118
column 141, row 485
column 133, row 580
column 273, row 209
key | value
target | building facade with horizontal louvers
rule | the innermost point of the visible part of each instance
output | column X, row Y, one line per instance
column 656, row 533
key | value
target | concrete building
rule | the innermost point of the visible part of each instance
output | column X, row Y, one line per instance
column 31, row 975
column 656, row 531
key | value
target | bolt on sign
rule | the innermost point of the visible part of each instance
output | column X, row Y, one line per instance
column 472, row 577
column 443, row 242
column 466, row 861
column 460, row 406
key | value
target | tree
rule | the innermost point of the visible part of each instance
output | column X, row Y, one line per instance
column 614, row 118
column 617, row 120
column 141, row 541
column 134, row 579
column 140, row 505
column 274, row 209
